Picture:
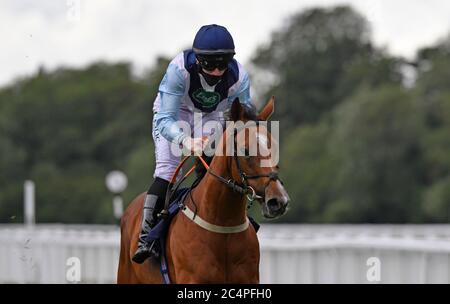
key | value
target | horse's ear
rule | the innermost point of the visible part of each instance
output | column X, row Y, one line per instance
column 268, row 109
column 236, row 110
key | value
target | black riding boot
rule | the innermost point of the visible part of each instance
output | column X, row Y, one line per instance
column 148, row 221
column 154, row 202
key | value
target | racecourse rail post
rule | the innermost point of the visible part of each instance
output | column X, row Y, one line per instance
column 29, row 202
column 116, row 182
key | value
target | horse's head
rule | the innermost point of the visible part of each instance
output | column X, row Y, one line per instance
column 255, row 153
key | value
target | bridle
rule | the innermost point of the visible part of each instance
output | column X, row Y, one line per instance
column 245, row 188
column 242, row 188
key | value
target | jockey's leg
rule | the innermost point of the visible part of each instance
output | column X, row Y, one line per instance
column 166, row 164
column 154, row 201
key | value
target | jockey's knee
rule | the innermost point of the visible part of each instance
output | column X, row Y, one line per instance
column 158, row 187
column 165, row 171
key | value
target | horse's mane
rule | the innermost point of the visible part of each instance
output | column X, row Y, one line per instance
column 250, row 112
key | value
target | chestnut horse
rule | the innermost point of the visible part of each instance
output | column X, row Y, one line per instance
column 198, row 254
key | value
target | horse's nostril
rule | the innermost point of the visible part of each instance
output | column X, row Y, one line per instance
column 272, row 204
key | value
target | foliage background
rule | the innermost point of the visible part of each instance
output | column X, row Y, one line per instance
column 365, row 136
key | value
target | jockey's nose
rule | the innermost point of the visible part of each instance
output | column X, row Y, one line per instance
column 215, row 72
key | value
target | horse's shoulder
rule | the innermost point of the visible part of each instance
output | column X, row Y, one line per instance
column 133, row 209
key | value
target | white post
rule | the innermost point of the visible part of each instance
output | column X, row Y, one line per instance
column 116, row 182
column 117, row 206
column 29, row 203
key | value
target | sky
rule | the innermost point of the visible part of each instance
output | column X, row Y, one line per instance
column 53, row 33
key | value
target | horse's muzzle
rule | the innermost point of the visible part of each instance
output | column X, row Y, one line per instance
column 275, row 207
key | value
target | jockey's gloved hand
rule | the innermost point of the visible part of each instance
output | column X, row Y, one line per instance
column 194, row 145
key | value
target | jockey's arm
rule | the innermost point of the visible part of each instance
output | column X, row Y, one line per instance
column 243, row 92
column 171, row 91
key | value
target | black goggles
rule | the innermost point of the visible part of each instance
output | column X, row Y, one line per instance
column 211, row 62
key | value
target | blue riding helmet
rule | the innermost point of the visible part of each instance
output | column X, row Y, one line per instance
column 213, row 39
column 214, row 48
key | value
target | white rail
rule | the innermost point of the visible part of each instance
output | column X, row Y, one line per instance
column 289, row 253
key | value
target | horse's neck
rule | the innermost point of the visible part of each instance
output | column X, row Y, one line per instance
column 216, row 202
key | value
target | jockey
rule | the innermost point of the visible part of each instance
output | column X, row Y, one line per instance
column 205, row 79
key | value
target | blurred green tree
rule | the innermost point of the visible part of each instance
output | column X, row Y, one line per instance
column 433, row 97
column 66, row 130
column 377, row 140
column 362, row 163
column 318, row 59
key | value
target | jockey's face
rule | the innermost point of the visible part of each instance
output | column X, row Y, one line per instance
column 214, row 65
